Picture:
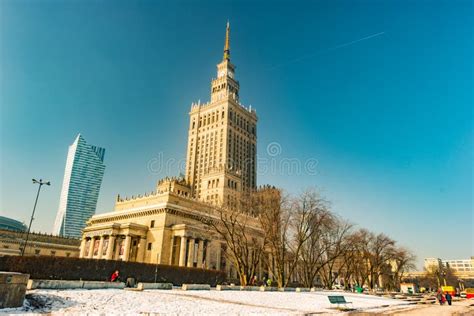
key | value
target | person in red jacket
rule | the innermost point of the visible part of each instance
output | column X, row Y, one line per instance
column 115, row 276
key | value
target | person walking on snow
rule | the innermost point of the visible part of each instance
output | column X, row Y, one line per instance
column 269, row 282
column 253, row 280
column 115, row 276
column 448, row 297
column 440, row 297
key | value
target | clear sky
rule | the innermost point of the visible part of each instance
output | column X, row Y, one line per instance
column 380, row 93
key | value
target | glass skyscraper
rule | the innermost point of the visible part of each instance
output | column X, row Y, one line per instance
column 81, row 185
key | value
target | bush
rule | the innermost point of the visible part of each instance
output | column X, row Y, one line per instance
column 63, row 268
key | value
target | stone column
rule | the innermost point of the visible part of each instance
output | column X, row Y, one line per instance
column 117, row 250
column 91, row 248
column 141, row 250
column 228, row 269
column 171, row 251
column 191, row 252
column 101, row 245
column 218, row 255
column 126, row 251
column 83, row 248
column 208, row 255
column 110, row 248
column 200, row 257
column 182, row 252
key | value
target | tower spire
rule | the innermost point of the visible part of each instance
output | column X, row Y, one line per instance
column 227, row 42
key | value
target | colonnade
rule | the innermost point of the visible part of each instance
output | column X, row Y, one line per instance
column 187, row 252
column 109, row 247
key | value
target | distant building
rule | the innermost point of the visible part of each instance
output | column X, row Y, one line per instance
column 12, row 242
column 408, row 288
column 12, row 224
column 433, row 264
column 462, row 268
column 81, row 185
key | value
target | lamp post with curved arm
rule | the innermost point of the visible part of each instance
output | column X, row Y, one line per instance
column 40, row 183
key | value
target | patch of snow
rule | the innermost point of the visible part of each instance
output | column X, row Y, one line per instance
column 178, row 302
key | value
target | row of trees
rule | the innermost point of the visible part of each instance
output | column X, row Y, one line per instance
column 300, row 237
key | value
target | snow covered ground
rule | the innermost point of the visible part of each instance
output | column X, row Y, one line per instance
column 178, row 302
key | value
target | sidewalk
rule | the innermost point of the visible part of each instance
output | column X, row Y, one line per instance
column 462, row 308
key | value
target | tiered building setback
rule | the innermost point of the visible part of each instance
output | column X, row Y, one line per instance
column 166, row 225
column 222, row 140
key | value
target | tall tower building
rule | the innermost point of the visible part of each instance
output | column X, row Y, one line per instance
column 81, row 185
column 222, row 140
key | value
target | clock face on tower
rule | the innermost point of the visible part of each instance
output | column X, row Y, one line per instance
column 223, row 72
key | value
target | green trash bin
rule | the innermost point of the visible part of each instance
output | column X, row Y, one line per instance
column 359, row 289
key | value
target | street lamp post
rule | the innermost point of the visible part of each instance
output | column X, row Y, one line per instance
column 40, row 184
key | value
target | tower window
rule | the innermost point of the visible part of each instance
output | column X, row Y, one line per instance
column 152, row 224
column 149, row 246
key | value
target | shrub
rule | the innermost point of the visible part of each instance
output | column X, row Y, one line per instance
column 63, row 268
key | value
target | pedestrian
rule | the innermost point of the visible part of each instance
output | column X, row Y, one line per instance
column 115, row 277
column 253, row 280
column 440, row 297
column 448, row 297
column 269, row 282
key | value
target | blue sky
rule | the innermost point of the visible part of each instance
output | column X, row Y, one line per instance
column 378, row 92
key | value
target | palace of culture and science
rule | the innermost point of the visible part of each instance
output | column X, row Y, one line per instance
column 166, row 225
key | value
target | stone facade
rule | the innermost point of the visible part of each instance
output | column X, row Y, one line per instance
column 167, row 225
column 222, row 140
column 11, row 243
column 164, row 227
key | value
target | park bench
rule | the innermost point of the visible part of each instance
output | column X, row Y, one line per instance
column 338, row 299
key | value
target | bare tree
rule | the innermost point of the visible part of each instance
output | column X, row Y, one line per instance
column 302, row 236
column 379, row 252
column 312, row 219
column 404, row 261
column 299, row 231
column 431, row 279
column 356, row 258
column 239, row 228
column 275, row 217
column 349, row 258
column 336, row 243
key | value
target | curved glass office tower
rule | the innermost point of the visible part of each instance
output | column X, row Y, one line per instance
column 81, row 185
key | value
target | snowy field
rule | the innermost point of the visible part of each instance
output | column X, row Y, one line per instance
column 178, row 302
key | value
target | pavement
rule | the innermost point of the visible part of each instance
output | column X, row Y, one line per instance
column 459, row 308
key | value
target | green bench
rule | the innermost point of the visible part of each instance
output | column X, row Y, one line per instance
column 338, row 299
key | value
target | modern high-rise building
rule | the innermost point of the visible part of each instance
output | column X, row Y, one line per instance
column 222, row 140
column 81, row 185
